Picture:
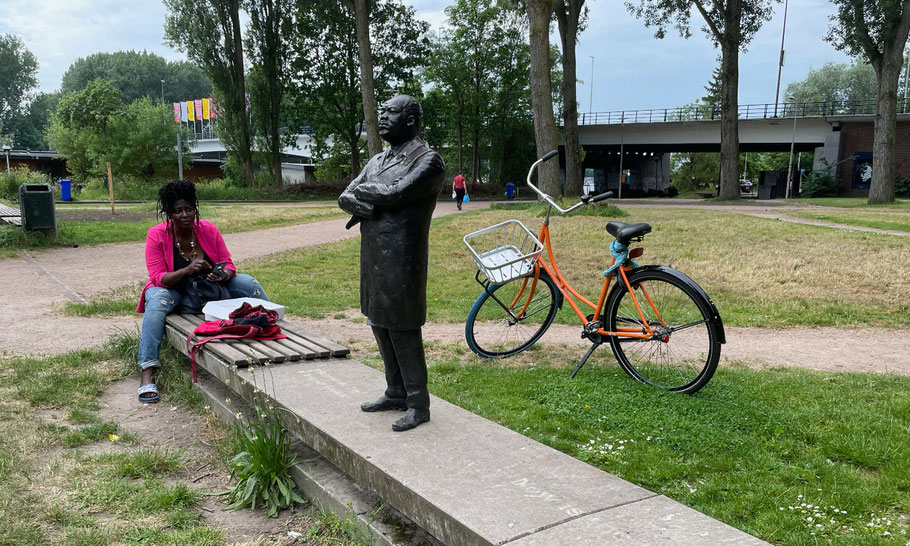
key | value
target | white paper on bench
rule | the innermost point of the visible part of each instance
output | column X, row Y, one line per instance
column 218, row 310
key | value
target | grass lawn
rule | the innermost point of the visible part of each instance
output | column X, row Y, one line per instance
column 65, row 480
column 892, row 217
column 850, row 202
column 759, row 272
column 136, row 219
column 791, row 456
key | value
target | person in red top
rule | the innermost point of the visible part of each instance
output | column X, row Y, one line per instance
column 458, row 186
column 175, row 250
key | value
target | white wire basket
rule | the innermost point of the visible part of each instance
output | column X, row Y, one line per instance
column 505, row 251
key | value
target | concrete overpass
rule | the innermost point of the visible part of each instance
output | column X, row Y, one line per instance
column 839, row 132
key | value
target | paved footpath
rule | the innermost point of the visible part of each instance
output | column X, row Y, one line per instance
column 34, row 286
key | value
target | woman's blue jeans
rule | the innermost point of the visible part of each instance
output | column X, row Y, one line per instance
column 160, row 301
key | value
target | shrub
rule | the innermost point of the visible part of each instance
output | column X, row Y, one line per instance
column 10, row 182
column 902, row 187
column 262, row 468
column 820, row 183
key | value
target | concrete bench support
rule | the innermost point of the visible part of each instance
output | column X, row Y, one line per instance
column 462, row 478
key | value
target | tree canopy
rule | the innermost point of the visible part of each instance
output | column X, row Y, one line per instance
column 18, row 77
column 138, row 74
column 326, row 68
column 834, row 81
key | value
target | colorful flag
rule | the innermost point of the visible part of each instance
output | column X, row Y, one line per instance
column 183, row 116
column 177, row 111
column 247, row 103
column 189, row 111
column 205, row 109
column 213, row 108
column 198, row 104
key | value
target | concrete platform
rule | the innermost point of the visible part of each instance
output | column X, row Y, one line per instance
column 462, row 478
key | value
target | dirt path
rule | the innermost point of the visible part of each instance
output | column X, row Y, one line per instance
column 830, row 349
column 36, row 284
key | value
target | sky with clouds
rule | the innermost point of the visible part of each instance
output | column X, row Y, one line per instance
column 631, row 69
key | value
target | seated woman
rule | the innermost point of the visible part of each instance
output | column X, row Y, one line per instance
column 175, row 250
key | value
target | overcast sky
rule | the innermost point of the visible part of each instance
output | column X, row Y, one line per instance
column 632, row 70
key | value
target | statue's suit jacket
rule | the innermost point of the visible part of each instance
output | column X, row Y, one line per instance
column 394, row 198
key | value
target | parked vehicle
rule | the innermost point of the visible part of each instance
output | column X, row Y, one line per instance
column 746, row 185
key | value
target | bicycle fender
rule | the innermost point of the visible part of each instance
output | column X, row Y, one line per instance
column 715, row 316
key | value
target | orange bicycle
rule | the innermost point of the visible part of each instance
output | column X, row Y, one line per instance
column 661, row 325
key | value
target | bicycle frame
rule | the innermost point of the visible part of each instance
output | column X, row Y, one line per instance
column 622, row 263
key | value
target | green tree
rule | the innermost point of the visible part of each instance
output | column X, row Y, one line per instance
column 539, row 13
column 834, row 82
column 79, row 127
column 268, row 48
column 714, row 87
column 692, row 171
column 327, row 95
column 138, row 74
column 143, row 138
column 877, row 30
column 29, row 128
column 18, row 77
column 209, row 32
column 571, row 16
column 731, row 25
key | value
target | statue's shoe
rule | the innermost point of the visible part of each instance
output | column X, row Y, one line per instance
column 411, row 419
column 384, row 404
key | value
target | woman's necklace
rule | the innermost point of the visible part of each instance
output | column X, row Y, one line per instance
column 192, row 255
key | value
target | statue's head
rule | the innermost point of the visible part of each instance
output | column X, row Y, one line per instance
column 399, row 119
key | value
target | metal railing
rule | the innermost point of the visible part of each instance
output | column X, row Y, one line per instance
column 745, row 111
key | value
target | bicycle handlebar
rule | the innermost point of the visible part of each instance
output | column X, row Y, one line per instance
column 585, row 199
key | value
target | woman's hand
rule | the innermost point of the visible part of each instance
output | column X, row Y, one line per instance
column 223, row 275
column 197, row 265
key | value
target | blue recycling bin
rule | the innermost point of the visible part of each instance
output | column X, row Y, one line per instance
column 510, row 190
column 66, row 186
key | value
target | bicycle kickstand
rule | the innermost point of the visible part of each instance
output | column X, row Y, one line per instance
column 584, row 359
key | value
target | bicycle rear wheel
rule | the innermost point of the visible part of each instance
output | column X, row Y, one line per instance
column 683, row 353
column 510, row 317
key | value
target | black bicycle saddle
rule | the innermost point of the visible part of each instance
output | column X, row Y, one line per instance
column 624, row 232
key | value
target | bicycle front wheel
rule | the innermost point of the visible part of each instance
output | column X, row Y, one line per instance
column 682, row 352
column 510, row 317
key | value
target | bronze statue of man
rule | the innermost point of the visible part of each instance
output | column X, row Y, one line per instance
column 393, row 200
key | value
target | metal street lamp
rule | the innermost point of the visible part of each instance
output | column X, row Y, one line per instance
column 6, row 150
column 591, row 87
column 780, row 64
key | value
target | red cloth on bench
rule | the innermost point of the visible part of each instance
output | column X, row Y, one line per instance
column 245, row 322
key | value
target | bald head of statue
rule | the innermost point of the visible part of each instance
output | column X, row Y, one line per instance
column 400, row 119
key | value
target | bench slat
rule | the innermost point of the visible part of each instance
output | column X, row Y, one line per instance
column 305, row 352
column 262, row 348
column 289, row 354
column 224, row 351
column 320, row 352
column 334, row 348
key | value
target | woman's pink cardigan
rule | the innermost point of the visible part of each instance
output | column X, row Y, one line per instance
column 159, row 252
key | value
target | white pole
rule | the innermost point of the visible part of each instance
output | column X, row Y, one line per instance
column 179, row 158
column 746, row 167
column 780, row 65
column 790, row 163
column 591, row 88
column 622, row 126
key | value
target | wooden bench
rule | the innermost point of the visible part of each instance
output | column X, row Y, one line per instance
column 10, row 215
column 299, row 345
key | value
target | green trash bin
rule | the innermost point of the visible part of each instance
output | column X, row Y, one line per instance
column 36, row 207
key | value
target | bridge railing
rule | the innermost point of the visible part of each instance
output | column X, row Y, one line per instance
column 710, row 112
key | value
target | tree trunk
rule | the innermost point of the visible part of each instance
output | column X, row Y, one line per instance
column 353, row 142
column 460, row 145
column 371, row 122
column 887, row 72
column 539, row 12
column 568, row 13
column 729, row 123
column 245, row 148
